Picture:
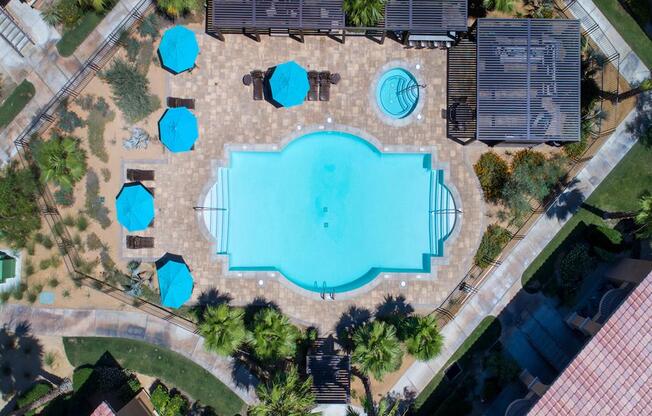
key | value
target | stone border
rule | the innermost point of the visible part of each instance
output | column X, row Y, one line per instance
column 263, row 276
column 415, row 115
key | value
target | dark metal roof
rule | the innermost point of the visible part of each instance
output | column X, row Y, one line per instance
column 426, row 16
column 277, row 14
column 528, row 79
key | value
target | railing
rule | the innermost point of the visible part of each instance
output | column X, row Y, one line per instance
column 474, row 278
column 47, row 205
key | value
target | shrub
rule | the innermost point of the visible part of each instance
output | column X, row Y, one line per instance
column 176, row 8
column 150, row 26
column 130, row 91
column 533, row 176
column 100, row 114
column 4, row 296
column 167, row 404
column 47, row 242
column 64, row 197
column 575, row 150
column 31, row 248
column 131, row 45
column 69, row 12
column 17, row 294
column 106, row 174
column 605, row 237
column 572, row 269
column 28, row 268
column 81, row 222
column 93, row 242
column 53, row 282
column 492, row 172
column 31, row 297
column 107, row 262
column 68, row 120
column 493, row 242
column 44, row 264
column 20, row 213
column 69, row 220
column 94, row 204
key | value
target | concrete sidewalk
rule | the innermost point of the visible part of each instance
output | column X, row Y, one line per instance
column 505, row 281
column 131, row 325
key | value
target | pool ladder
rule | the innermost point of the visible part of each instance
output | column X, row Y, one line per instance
column 323, row 293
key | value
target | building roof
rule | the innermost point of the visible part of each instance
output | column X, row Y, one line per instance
column 426, row 16
column 103, row 409
column 528, row 80
column 612, row 375
column 277, row 14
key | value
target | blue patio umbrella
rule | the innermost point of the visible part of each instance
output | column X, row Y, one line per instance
column 178, row 49
column 134, row 205
column 174, row 280
column 178, row 129
column 289, row 84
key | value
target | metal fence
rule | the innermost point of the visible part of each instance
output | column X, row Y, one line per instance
column 608, row 79
column 47, row 205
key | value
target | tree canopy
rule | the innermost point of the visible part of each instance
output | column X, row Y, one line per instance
column 19, row 213
column 286, row 395
column 223, row 328
column 377, row 349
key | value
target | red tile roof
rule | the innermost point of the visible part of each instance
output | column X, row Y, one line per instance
column 612, row 375
column 103, row 410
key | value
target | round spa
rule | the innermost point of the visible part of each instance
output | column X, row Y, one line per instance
column 397, row 93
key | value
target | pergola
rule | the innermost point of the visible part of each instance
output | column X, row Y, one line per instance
column 528, row 80
column 297, row 18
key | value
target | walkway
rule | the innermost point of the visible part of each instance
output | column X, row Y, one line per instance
column 43, row 66
column 132, row 325
column 504, row 282
column 631, row 67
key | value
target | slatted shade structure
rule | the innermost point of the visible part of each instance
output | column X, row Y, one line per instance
column 528, row 80
column 426, row 16
column 277, row 14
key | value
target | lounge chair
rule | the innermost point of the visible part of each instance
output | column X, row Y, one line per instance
column 136, row 242
column 334, row 78
column 137, row 175
column 324, row 86
column 313, row 80
column 181, row 102
column 257, row 77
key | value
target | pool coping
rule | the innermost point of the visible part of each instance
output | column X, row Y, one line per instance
column 402, row 278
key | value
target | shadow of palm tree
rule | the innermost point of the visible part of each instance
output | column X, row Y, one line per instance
column 210, row 297
column 641, row 126
column 20, row 360
column 255, row 306
column 350, row 320
column 568, row 203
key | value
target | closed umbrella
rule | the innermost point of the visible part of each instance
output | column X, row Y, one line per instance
column 134, row 206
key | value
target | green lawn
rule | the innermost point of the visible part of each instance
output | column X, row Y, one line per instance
column 16, row 101
column 483, row 336
column 171, row 368
column 619, row 191
column 628, row 28
column 74, row 37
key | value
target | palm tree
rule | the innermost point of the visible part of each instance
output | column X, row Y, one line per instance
column 424, row 341
column 644, row 217
column 176, row 8
column 384, row 408
column 364, row 13
column 50, row 15
column 287, row 395
column 223, row 328
column 377, row 350
column 273, row 336
column 61, row 161
column 504, row 6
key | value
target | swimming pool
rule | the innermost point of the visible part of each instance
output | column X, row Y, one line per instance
column 329, row 211
column 397, row 93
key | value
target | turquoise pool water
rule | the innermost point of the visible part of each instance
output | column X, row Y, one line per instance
column 397, row 93
column 329, row 211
